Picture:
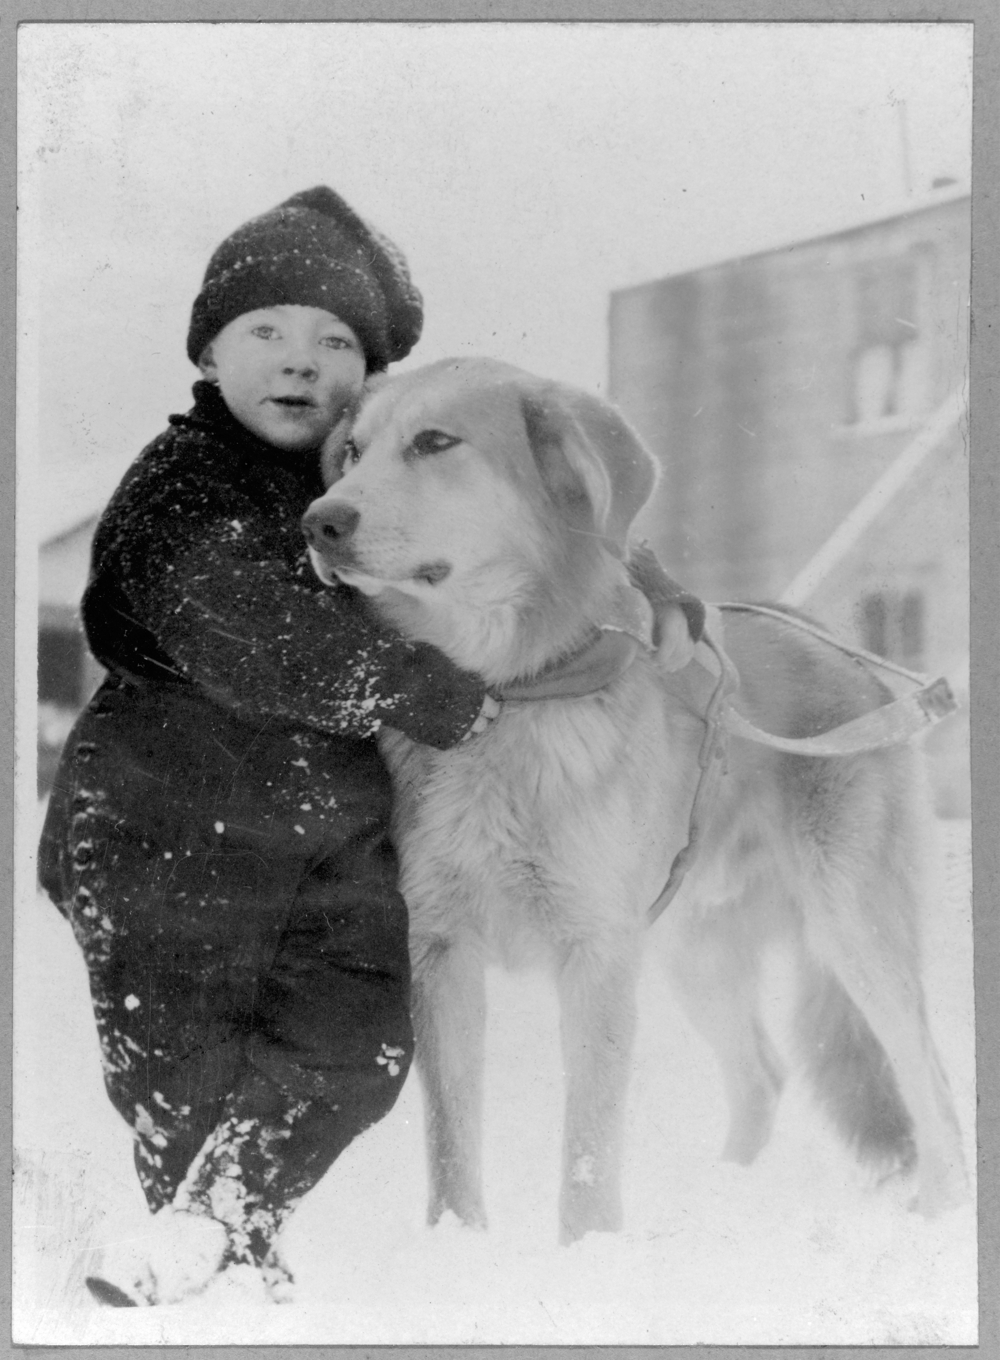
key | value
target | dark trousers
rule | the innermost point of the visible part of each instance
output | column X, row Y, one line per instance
column 252, row 1002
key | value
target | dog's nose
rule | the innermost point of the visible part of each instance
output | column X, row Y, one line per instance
column 329, row 524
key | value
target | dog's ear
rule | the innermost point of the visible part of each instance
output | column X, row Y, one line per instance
column 336, row 445
column 591, row 461
column 334, row 451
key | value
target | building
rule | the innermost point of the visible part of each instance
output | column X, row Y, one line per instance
column 780, row 393
column 67, row 673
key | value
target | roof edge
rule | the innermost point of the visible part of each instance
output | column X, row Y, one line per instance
column 940, row 199
column 70, row 530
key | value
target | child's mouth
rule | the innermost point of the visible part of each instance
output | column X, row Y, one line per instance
column 293, row 403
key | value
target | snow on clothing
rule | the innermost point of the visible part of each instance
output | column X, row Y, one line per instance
column 199, row 572
column 217, row 834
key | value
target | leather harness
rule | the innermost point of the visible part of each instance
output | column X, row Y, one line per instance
column 614, row 649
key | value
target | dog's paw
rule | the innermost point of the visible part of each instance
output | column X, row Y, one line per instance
column 941, row 1186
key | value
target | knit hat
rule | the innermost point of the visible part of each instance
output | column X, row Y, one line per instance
column 312, row 251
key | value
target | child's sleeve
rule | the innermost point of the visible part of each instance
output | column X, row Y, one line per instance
column 190, row 577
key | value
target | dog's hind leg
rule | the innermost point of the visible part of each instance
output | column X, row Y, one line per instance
column 873, row 1057
column 850, row 1072
column 712, row 957
column 449, row 1016
column 598, row 1016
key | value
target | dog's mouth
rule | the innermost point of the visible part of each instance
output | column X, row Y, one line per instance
column 349, row 569
column 325, row 573
column 334, row 556
column 432, row 573
column 338, row 561
column 333, row 567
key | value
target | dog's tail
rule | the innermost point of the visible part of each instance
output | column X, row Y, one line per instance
column 851, row 1076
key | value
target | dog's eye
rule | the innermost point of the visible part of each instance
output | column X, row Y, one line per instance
column 433, row 441
column 352, row 453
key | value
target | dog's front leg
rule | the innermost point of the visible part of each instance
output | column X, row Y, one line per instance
column 449, row 1013
column 598, row 1011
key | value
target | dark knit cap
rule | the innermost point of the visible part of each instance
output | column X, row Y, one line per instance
column 313, row 250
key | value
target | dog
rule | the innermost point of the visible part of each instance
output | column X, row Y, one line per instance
column 487, row 511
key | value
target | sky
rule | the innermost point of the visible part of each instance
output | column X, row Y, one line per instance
column 527, row 170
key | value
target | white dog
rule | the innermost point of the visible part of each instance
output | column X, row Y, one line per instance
column 487, row 512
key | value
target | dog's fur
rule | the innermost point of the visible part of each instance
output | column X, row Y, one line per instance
column 548, row 837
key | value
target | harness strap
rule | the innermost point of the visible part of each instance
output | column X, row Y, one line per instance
column 804, row 625
column 609, row 653
column 711, row 765
column 886, row 726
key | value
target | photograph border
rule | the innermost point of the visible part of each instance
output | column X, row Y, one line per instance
column 984, row 514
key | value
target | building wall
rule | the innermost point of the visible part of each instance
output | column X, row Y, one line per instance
column 63, row 565
column 909, row 556
column 775, row 390
column 67, row 673
column 742, row 378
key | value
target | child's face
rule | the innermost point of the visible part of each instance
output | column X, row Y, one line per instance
column 290, row 374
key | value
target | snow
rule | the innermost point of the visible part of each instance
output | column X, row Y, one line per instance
column 798, row 1249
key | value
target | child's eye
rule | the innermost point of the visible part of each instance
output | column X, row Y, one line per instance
column 264, row 331
column 335, row 342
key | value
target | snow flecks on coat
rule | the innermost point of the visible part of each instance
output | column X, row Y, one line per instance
column 200, row 573
column 389, row 1059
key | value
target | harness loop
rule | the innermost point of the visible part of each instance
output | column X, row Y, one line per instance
column 712, row 766
column 889, row 725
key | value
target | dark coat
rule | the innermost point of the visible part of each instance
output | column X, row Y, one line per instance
column 218, row 830
column 199, row 572
column 241, row 690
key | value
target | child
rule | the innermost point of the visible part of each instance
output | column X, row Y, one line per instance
column 217, row 834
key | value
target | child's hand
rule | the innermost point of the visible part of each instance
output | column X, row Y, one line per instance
column 489, row 711
column 679, row 616
column 675, row 645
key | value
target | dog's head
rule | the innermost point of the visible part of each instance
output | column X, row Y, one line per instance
column 470, row 485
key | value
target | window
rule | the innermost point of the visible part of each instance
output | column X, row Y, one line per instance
column 892, row 625
column 889, row 364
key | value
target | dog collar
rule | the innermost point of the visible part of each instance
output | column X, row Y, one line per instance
column 624, row 628
column 595, row 666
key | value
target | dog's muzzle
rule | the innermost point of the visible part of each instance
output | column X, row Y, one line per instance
column 329, row 527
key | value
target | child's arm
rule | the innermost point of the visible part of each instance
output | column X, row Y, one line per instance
column 191, row 575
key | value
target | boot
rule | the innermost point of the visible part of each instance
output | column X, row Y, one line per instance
column 172, row 1255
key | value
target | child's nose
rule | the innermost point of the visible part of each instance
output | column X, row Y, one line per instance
column 301, row 364
column 300, row 359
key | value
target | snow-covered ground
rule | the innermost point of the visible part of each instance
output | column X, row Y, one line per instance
column 800, row 1248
